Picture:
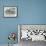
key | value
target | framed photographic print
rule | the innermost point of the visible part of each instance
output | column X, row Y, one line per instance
column 31, row 32
column 10, row 11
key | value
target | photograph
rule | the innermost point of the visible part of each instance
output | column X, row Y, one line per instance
column 29, row 34
column 32, row 32
column 10, row 11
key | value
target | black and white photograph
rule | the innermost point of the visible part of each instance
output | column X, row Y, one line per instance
column 29, row 34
